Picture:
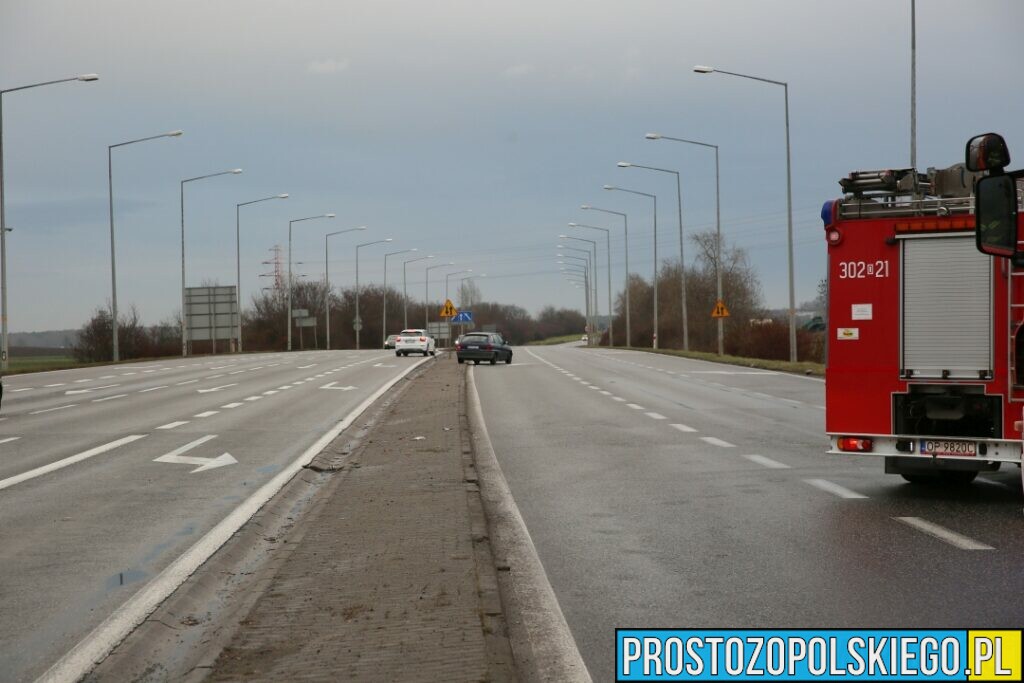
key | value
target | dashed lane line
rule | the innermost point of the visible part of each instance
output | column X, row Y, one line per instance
column 191, row 381
column 682, row 427
column 108, row 398
column 834, row 488
column 206, row 413
column 48, row 386
column 943, row 534
column 10, row 439
column 634, row 406
column 767, row 462
column 252, row 398
column 619, row 399
column 173, row 425
column 14, row 391
column 656, row 416
column 231, row 405
column 50, row 410
column 163, row 386
column 54, row 466
column 716, row 442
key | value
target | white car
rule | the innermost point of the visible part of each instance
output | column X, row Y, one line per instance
column 415, row 341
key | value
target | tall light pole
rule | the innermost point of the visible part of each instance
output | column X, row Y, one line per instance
column 184, row 317
column 592, row 313
column 625, row 225
column 4, row 348
column 580, row 271
column 446, row 277
column 789, row 198
column 384, row 317
column 459, row 281
column 238, row 256
column 290, row 283
column 405, row 289
column 327, row 281
column 116, row 349
column 608, row 254
column 593, row 284
column 655, row 283
column 913, row 86
column 359, row 321
column 682, row 259
column 718, row 228
column 426, row 291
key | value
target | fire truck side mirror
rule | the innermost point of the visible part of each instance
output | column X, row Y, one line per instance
column 987, row 152
column 995, row 214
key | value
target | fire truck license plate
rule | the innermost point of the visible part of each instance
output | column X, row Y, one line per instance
column 941, row 447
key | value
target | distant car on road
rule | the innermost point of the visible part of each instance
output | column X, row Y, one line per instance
column 482, row 346
column 389, row 343
column 414, row 341
column 584, row 338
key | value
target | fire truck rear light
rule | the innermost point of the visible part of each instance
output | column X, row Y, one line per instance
column 855, row 444
column 834, row 236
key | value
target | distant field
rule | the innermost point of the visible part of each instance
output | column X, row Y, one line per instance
column 38, row 363
column 556, row 340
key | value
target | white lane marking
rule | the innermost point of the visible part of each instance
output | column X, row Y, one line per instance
column 81, row 659
column 108, row 376
column 191, row 381
column 14, row 391
column 682, row 428
column 53, row 466
column 162, row 386
column 618, row 398
column 145, row 372
column 634, row 406
column 172, row 425
column 252, row 398
column 943, row 534
column 306, row 367
column 270, row 392
column 108, row 398
column 231, row 405
column 258, row 367
column 207, row 413
column 223, row 386
column 48, row 386
column 214, row 376
column 716, row 442
column 10, row 439
column 82, row 381
column 767, row 462
column 236, row 372
column 593, row 387
column 176, row 456
column 50, row 410
column 126, row 374
column 834, row 489
column 220, row 367
column 286, row 386
column 605, row 392
column 656, row 416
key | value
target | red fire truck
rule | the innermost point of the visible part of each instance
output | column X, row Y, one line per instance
column 926, row 329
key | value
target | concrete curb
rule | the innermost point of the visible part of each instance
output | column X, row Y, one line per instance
column 542, row 643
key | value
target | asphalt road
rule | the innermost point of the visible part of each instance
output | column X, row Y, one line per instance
column 88, row 514
column 665, row 492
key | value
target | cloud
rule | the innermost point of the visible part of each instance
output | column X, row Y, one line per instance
column 518, row 70
column 327, row 66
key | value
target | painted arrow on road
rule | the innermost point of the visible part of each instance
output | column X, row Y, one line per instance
column 72, row 392
column 206, row 391
column 331, row 386
column 176, row 456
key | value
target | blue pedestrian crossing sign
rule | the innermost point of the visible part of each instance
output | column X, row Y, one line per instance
column 463, row 317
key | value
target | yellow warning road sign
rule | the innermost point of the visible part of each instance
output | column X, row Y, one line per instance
column 720, row 311
column 448, row 311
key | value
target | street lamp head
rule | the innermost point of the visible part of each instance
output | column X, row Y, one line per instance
column 572, row 225
column 704, row 69
column 236, row 171
column 89, row 77
column 388, row 239
column 329, row 215
column 174, row 133
column 361, row 227
column 610, row 187
column 584, row 206
column 283, row 195
column 653, row 136
column 623, row 164
column 415, row 249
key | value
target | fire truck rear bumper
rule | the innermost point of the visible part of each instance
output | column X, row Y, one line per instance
column 912, row 447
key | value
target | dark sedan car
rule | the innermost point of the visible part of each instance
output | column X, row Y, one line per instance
column 482, row 346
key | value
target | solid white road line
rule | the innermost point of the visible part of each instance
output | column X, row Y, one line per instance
column 172, row 425
column 634, row 406
column 656, row 416
column 50, row 410
column 944, row 534
column 10, row 439
column 207, row 413
column 53, row 466
column 716, row 442
column 94, row 647
column 834, row 489
column 682, row 428
column 163, row 386
column 108, row 398
column 767, row 462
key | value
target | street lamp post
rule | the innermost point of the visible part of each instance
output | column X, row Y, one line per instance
column 290, row 283
column 584, row 272
column 462, row 303
column 116, row 349
column 718, row 228
column 446, row 277
column 587, row 262
column 4, row 348
column 625, row 225
column 184, row 317
column 358, row 321
column 384, row 317
column 655, row 283
column 682, row 259
column 238, row 256
column 405, row 289
column 426, row 291
column 327, row 281
column 608, row 254
column 789, row 198
column 593, row 284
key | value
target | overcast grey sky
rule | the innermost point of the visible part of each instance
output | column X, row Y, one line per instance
column 468, row 129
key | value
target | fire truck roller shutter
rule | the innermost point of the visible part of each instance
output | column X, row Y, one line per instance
column 947, row 308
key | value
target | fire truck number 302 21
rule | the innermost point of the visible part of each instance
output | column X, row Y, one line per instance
column 863, row 269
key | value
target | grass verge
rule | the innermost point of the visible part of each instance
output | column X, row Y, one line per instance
column 555, row 340
column 804, row 368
